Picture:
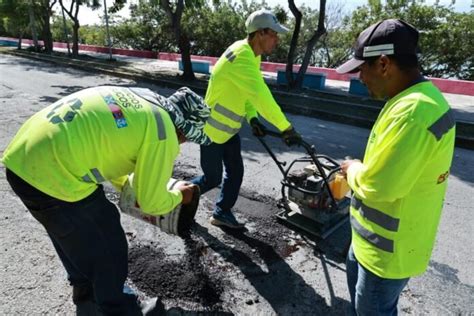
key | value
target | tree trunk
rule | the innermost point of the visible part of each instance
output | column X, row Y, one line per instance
column 75, row 39
column 75, row 28
column 294, row 42
column 33, row 26
column 66, row 35
column 20, row 38
column 182, row 39
column 320, row 31
column 185, row 47
column 48, row 39
column 47, row 36
column 46, row 16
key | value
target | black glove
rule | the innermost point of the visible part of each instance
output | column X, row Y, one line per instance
column 258, row 129
column 291, row 137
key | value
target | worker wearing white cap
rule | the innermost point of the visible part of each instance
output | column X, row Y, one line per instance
column 236, row 92
column 60, row 157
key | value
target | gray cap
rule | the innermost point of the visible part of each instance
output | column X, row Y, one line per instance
column 263, row 19
column 387, row 37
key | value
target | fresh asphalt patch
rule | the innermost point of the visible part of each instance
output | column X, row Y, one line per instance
column 204, row 270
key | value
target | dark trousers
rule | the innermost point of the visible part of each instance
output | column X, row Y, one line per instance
column 90, row 242
column 371, row 294
column 213, row 158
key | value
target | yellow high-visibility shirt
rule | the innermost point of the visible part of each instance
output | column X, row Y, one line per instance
column 400, row 185
column 236, row 92
column 95, row 135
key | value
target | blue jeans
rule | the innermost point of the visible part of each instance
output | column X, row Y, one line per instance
column 371, row 294
column 213, row 158
column 90, row 242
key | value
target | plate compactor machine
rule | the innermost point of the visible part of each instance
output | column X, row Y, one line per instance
column 313, row 191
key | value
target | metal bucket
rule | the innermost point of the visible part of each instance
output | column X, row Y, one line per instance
column 177, row 222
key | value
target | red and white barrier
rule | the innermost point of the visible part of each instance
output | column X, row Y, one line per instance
column 445, row 85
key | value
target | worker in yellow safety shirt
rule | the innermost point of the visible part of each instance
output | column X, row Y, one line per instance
column 236, row 92
column 399, row 187
column 61, row 155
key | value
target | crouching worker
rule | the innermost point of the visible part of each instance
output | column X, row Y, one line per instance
column 59, row 158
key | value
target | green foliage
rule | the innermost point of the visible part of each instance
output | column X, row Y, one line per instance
column 308, row 25
column 14, row 17
column 117, row 6
column 446, row 37
column 145, row 29
column 93, row 35
column 217, row 28
column 447, row 49
column 57, row 28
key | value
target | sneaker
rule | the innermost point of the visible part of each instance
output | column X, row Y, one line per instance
column 226, row 219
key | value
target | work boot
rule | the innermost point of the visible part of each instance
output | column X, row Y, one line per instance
column 226, row 219
column 152, row 307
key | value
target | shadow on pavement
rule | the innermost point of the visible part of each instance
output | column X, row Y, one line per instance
column 276, row 284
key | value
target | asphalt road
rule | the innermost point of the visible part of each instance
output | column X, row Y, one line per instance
column 33, row 281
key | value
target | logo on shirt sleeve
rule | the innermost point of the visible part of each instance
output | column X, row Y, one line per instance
column 443, row 177
column 117, row 113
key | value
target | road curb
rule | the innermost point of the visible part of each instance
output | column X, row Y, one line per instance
column 351, row 110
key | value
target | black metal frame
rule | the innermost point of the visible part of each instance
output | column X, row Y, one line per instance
column 331, row 166
column 326, row 167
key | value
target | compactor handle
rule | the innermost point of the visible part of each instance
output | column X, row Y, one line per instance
column 310, row 149
column 273, row 133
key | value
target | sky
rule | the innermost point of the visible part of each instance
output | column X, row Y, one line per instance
column 87, row 16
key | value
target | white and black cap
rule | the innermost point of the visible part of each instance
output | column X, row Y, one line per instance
column 187, row 110
column 387, row 37
column 263, row 19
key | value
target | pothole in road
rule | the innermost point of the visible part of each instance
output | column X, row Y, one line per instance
column 187, row 280
column 205, row 271
column 204, row 277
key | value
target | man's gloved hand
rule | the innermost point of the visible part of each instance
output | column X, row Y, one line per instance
column 291, row 137
column 258, row 129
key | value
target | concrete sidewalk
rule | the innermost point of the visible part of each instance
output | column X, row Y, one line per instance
column 462, row 104
column 333, row 103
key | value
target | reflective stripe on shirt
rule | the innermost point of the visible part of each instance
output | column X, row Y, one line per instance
column 97, row 175
column 371, row 237
column 160, row 125
column 86, row 178
column 383, row 220
column 230, row 56
column 443, row 124
column 222, row 127
column 228, row 113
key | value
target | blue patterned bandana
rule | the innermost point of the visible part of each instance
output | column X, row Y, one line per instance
column 190, row 115
column 186, row 109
